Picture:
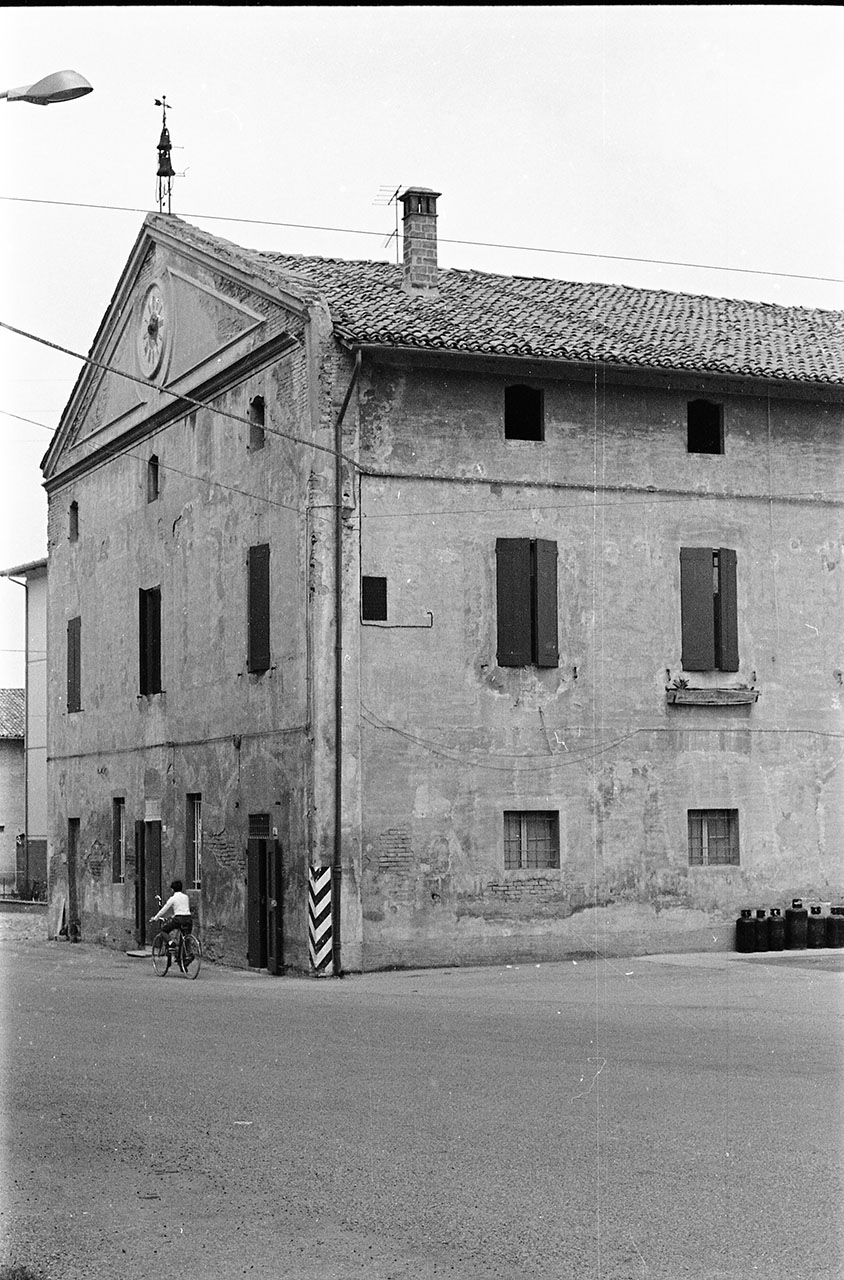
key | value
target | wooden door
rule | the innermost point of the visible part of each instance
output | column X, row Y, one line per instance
column 275, row 950
column 256, row 903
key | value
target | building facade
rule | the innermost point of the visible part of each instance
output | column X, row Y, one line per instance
column 31, row 871
column 508, row 610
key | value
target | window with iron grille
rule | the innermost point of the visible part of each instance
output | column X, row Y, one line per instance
column 118, row 840
column 713, row 838
column 259, row 826
column 531, row 839
column 193, row 841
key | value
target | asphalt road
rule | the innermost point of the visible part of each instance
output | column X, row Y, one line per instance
column 649, row 1119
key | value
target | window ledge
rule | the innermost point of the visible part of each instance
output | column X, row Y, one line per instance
column 710, row 697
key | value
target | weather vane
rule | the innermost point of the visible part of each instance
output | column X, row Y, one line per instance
column 166, row 172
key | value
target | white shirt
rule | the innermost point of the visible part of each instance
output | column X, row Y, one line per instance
column 180, row 903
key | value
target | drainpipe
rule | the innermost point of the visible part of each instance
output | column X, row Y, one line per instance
column 338, row 671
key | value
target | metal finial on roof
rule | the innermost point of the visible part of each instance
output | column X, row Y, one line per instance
column 166, row 172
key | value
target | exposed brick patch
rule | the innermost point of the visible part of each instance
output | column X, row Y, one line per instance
column 395, row 851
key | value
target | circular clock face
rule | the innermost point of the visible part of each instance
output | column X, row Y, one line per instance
column 152, row 331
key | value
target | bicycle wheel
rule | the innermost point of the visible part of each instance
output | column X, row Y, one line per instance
column 191, row 959
column 160, row 956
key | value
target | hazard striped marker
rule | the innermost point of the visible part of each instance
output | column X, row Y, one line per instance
column 320, row 937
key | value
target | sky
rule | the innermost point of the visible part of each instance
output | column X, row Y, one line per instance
column 691, row 148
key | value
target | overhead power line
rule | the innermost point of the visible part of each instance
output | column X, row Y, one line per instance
column 477, row 244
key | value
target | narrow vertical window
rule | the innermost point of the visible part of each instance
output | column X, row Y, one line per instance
column 373, row 599
column 713, row 837
column 193, row 841
column 256, row 423
column 526, row 580
column 74, row 664
column 704, row 427
column 153, row 479
column 73, row 522
column 149, row 636
column 523, row 413
column 118, row 840
column 709, row 609
column 258, row 606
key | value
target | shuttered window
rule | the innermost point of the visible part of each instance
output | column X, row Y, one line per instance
column 709, row 609
column 258, row 569
column 526, row 582
column 74, row 664
column 149, row 638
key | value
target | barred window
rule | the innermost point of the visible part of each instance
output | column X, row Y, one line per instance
column 193, row 841
column 713, row 838
column 118, row 840
column 531, row 839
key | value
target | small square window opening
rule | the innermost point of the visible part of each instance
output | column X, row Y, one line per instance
column 373, row 599
column 704, row 427
column 523, row 413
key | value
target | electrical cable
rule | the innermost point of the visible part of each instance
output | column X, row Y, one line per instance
column 478, row 244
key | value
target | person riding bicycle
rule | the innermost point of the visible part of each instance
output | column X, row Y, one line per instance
column 179, row 904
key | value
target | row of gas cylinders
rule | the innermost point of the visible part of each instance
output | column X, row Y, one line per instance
column 798, row 929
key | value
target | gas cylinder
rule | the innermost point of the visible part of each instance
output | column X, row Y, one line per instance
column 835, row 927
column 776, row 930
column 796, row 921
column 746, row 932
column 816, row 929
column 762, row 932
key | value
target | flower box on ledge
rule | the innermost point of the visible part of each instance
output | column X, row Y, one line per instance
column 711, row 697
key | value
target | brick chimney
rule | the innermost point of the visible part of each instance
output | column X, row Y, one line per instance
column 420, row 241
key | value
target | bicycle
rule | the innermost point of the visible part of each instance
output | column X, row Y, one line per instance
column 186, row 951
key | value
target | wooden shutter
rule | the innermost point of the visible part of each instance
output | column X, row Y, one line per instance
column 727, row 605
column 258, row 563
column 149, row 626
column 74, row 664
column 513, row 582
column 545, row 603
column 697, row 603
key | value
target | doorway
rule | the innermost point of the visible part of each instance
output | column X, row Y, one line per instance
column 73, row 921
column 263, row 897
column 148, row 897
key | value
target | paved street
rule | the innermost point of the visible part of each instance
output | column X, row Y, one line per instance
column 653, row 1118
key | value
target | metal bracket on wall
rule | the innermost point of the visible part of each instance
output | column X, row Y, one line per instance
column 402, row 626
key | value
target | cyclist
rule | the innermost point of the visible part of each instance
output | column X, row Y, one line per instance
column 179, row 904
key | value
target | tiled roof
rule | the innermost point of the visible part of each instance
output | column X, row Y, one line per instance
column 12, row 713
column 552, row 319
column 556, row 319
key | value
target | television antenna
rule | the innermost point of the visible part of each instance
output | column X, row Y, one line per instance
column 385, row 197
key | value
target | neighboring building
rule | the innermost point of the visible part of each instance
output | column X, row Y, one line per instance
column 511, row 609
column 12, row 789
column 32, row 850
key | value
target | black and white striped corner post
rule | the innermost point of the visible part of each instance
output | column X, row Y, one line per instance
column 320, row 931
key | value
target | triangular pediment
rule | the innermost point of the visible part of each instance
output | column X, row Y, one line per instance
column 181, row 317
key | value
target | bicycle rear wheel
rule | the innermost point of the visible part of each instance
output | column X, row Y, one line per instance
column 191, row 955
column 160, row 955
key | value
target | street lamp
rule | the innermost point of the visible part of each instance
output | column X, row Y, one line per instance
column 61, row 86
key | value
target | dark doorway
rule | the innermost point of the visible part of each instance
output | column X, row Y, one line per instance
column 147, row 876
column 73, row 921
column 263, row 897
